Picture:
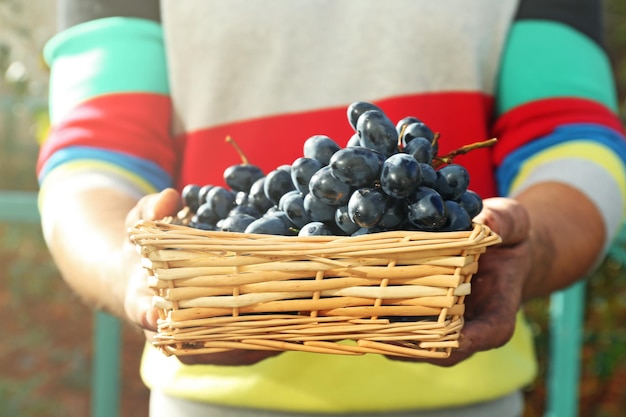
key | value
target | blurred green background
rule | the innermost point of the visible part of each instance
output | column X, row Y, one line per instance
column 45, row 347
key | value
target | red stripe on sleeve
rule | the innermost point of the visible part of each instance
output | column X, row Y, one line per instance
column 529, row 121
column 133, row 123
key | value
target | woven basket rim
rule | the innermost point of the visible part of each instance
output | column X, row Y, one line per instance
column 148, row 230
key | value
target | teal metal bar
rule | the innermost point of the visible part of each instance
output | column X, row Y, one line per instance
column 566, row 332
column 21, row 207
column 18, row 206
column 105, row 401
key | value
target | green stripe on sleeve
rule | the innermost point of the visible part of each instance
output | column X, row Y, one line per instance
column 110, row 55
column 549, row 59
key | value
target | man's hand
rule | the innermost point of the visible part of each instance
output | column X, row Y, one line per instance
column 497, row 288
column 138, row 303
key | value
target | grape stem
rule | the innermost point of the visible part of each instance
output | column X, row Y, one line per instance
column 242, row 155
column 448, row 158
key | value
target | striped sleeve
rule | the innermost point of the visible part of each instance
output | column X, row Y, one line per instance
column 109, row 107
column 557, row 109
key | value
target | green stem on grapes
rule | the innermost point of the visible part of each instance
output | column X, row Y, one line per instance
column 448, row 158
column 244, row 159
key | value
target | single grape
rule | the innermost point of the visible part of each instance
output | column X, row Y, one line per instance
column 236, row 222
column 277, row 183
column 317, row 210
column 257, row 196
column 315, row 229
column 196, row 223
column 293, row 206
column 356, row 109
column 356, row 166
column 320, row 147
column 421, row 149
column 240, row 177
column 275, row 223
column 426, row 209
column 394, row 214
column 343, row 221
column 328, row 189
column 417, row 130
column 471, row 202
column 204, row 190
column 452, row 181
column 457, row 218
column 400, row 175
column 377, row 132
column 302, row 170
column 189, row 195
column 284, row 197
column 429, row 175
column 354, row 140
column 206, row 215
column 366, row 206
column 405, row 121
column 221, row 201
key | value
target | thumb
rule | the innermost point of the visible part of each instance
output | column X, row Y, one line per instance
column 163, row 204
column 506, row 217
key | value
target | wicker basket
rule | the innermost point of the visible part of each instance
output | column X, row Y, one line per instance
column 398, row 292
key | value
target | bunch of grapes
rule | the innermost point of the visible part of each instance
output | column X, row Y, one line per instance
column 388, row 177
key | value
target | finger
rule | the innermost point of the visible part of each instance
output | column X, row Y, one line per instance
column 159, row 205
column 508, row 218
column 165, row 203
column 138, row 303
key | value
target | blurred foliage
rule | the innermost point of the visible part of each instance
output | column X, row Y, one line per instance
column 45, row 351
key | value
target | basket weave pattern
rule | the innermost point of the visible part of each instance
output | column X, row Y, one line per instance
column 398, row 293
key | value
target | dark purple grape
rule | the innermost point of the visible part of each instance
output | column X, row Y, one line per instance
column 284, row 197
column 426, row 209
column 417, row 130
column 356, row 109
column 357, row 166
column 277, row 183
column 240, row 177
column 204, row 190
column 457, row 218
column 247, row 208
column 221, row 201
column 196, row 223
column 328, row 189
column 293, row 206
column 343, row 221
column 429, row 175
column 206, row 215
column 354, row 140
column 317, row 210
column 367, row 206
column 377, row 132
column 320, row 147
column 189, row 195
column 275, row 223
column 471, row 202
column 400, row 176
column 405, row 121
column 236, row 222
column 452, row 181
column 315, row 229
column 421, row 149
column 257, row 196
column 394, row 214
column 302, row 170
